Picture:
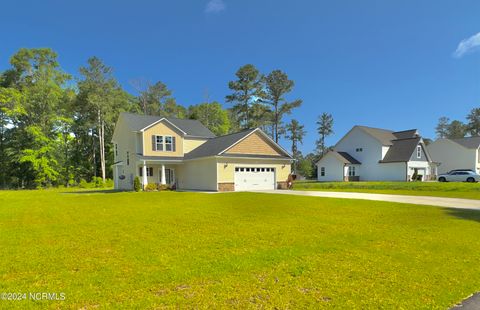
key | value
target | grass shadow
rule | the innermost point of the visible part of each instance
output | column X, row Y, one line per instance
column 95, row 191
column 465, row 214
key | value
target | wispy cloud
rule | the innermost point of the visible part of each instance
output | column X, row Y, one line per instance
column 468, row 45
column 215, row 6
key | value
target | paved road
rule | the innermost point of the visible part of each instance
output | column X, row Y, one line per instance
column 471, row 303
column 457, row 203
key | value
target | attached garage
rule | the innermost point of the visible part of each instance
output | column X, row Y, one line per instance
column 254, row 178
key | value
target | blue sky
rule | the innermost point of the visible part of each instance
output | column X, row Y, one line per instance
column 389, row 64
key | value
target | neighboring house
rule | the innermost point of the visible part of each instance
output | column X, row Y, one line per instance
column 373, row 154
column 456, row 154
column 185, row 154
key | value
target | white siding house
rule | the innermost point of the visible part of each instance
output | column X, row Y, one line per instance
column 373, row 154
column 456, row 154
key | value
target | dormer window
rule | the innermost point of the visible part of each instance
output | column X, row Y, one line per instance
column 419, row 151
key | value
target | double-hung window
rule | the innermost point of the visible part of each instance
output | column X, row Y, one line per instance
column 163, row 143
column 322, row 171
column 419, row 151
column 168, row 143
column 159, row 143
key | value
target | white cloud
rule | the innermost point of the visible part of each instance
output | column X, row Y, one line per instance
column 215, row 6
column 468, row 45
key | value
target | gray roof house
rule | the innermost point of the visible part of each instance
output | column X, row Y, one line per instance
column 375, row 154
column 185, row 154
column 453, row 154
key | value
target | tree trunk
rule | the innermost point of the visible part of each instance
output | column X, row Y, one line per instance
column 101, row 141
column 276, row 122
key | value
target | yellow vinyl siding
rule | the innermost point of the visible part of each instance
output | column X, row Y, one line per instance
column 254, row 144
column 162, row 129
column 191, row 144
column 200, row 174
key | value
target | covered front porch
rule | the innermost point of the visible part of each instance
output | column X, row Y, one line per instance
column 161, row 173
column 351, row 173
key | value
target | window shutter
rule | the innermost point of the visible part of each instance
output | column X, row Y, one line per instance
column 154, row 143
column 140, row 170
column 173, row 144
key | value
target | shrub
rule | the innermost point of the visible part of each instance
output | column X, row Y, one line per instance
column 151, row 187
column 163, row 187
column 136, row 184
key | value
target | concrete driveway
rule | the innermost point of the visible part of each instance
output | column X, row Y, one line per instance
column 457, row 203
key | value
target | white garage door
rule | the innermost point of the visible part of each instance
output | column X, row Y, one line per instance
column 254, row 178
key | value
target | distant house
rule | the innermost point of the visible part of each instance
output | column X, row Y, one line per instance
column 374, row 154
column 456, row 153
column 183, row 153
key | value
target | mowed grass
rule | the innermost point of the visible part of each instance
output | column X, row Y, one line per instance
column 240, row 250
column 437, row 189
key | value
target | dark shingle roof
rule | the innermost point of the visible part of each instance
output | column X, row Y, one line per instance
column 191, row 127
column 469, row 142
column 348, row 159
column 216, row 145
column 401, row 150
column 383, row 135
column 406, row 134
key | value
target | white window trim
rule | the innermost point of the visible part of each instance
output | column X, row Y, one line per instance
column 322, row 171
column 165, row 143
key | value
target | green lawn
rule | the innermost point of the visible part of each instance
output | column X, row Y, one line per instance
column 457, row 189
column 242, row 250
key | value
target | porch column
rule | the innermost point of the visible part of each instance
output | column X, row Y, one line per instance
column 162, row 180
column 144, row 174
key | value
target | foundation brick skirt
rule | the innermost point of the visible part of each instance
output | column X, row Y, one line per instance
column 226, row 187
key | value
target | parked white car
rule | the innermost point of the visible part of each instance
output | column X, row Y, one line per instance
column 459, row 176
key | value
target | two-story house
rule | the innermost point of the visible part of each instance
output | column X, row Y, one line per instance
column 185, row 154
column 374, row 154
column 463, row 153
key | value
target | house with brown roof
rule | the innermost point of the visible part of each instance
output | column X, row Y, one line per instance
column 184, row 154
column 453, row 154
column 374, row 154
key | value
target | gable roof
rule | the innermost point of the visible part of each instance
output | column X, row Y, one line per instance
column 401, row 150
column 386, row 136
column 190, row 127
column 216, row 146
column 347, row 158
column 468, row 142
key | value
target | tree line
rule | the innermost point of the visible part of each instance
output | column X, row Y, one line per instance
column 457, row 129
column 56, row 128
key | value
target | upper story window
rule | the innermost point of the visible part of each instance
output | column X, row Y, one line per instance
column 128, row 158
column 116, row 150
column 164, row 143
column 419, row 151
column 158, row 143
column 168, row 143
column 359, row 149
